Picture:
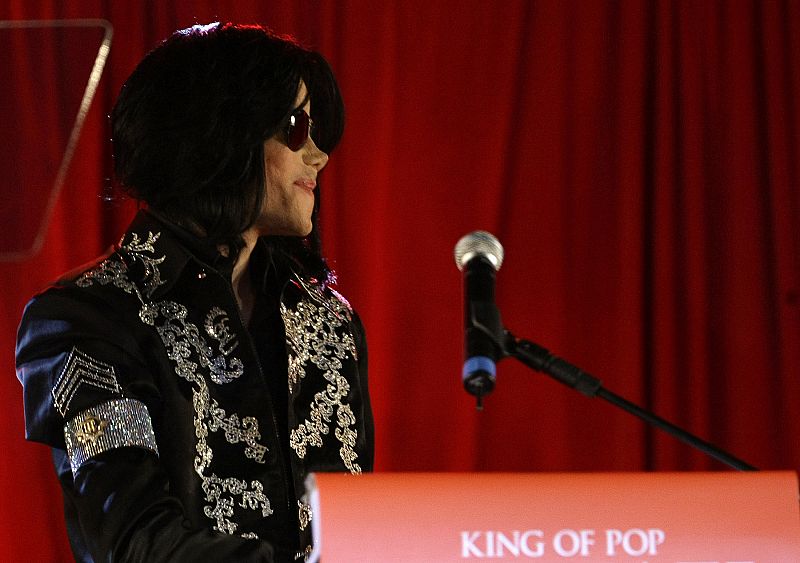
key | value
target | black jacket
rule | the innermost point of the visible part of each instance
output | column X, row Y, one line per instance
column 177, row 433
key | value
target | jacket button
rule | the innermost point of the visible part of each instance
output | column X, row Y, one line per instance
column 201, row 275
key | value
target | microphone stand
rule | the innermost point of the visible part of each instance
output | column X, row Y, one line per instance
column 487, row 319
column 540, row 359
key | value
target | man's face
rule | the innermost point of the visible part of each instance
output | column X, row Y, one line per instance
column 290, row 178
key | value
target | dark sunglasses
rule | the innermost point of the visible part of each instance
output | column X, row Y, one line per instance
column 300, row 128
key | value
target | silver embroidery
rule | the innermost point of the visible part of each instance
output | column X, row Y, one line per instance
column 222, row 492
column 337, row 305
column 304, row 513
column 216, row 325
column 183, row 337
column 114, row 424
column 311, row 331
column 183, row 341
column 236, row 431
column 312, row 336
column 113, row 272
column 82, row 369
column 142, row 251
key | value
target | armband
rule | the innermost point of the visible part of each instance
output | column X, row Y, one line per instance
column 117, row 423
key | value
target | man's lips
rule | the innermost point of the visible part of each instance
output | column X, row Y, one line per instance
column 307, row 184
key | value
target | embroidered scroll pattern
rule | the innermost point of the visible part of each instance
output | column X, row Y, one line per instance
column 217, row 327
column 184, row 344
column 142, row 251
column 304, row 514
column 222, row 494
column 115, row 272
column 311, row 331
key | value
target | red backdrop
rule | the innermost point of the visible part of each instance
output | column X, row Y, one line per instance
column 638, row 160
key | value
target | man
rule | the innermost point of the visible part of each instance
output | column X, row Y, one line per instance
column 189, row 381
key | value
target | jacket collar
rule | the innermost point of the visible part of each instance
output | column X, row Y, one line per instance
column 156, row 251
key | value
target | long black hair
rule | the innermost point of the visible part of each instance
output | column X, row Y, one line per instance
column 190, row 123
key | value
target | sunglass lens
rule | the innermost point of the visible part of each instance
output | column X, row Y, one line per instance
column 298, row 130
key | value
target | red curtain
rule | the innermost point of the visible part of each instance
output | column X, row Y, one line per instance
column 638, row 161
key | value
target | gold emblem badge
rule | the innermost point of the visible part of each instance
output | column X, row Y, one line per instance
column 91, row 429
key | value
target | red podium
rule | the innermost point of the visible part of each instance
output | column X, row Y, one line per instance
column 641, row 517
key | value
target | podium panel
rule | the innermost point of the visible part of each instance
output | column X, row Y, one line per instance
column 634, row 517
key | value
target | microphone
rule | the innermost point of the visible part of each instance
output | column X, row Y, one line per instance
column 479, row 255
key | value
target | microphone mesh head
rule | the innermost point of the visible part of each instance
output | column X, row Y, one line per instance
column 479, row 243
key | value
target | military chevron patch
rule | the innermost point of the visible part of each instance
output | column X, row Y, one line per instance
column 81, row 369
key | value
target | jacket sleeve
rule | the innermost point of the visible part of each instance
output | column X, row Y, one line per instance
column 88, row 394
